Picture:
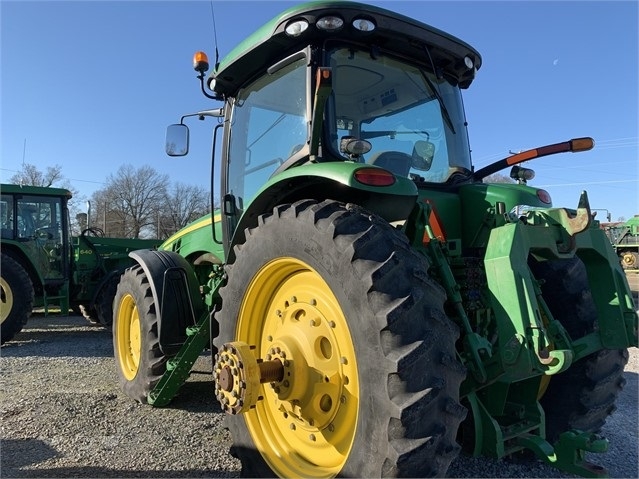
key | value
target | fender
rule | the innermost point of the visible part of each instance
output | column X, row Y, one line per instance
column 335, row 180
column 176, row 294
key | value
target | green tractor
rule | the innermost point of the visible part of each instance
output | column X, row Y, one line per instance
column 625, row 241
column 372, row 306
column 43, row 266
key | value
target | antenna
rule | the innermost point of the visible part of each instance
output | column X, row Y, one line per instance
column 24, row 153
column 217, row 55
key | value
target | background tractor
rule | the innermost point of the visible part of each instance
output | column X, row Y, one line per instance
column 624, row 237
column 44, row 266
column 373, row 306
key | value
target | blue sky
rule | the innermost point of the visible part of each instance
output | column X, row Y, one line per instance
column 92, row 85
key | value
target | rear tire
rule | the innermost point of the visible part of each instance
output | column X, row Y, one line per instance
column 16, row 296
column 366, row 335
column 583, row 396
column 139, row 361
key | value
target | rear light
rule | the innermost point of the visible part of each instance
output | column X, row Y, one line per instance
column 330, row 23
column 296, row 28
column 374, row 177
column 363, row 25
column 544, row 197
column 522, row 174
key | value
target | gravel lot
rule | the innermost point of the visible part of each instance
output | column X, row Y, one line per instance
column 63, row 415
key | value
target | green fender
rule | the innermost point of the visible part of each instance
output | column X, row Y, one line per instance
column 335, row 180
column 176, row 293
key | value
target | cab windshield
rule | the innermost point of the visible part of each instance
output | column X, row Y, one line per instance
column 413, row 120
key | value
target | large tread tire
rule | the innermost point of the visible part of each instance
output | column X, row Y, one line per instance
column 104, row 302
column 16, row 296
column 408, row 378
column 583, row 396
column 139, row 361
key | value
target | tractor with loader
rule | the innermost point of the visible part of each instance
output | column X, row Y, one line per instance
column 44, row 266
column 372, row 306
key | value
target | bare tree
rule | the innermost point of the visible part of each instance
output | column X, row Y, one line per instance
column 32, row 176
column 131, row 201
column 184, row 204
column 498, row 178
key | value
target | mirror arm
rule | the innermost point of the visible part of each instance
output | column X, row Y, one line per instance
column 204, row 92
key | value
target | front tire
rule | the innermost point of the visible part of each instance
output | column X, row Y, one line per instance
column 371, row 385
column 16, row 298
column 139, row 361
column 583, row 396
column 104, row 301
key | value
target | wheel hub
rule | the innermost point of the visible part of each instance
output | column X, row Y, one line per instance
column 238, row 376
column 302, row 369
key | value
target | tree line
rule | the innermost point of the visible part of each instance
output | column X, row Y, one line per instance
column 134, row 203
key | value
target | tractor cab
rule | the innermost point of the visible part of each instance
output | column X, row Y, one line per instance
column 37, row 220
column 369, row 105
column 378, row 109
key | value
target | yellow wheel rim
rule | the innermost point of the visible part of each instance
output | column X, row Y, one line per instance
column 6, row 298
column 128, row 337
column 305, row 425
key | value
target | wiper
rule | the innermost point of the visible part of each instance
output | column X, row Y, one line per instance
column 440, row 100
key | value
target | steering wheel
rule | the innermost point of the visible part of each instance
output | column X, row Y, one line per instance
column 93, row 231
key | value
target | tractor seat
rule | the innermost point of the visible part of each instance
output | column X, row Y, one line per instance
column 396, row 162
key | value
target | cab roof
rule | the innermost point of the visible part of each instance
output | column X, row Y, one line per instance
column 34, row 190
column 393, row 31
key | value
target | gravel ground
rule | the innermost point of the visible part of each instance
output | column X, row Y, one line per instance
column 63, row 415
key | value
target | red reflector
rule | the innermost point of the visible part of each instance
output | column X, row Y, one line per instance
column 544, row 196
column 374, row 177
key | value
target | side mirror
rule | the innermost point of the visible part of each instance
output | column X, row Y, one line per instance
column 423, row 154
column 177, row 140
